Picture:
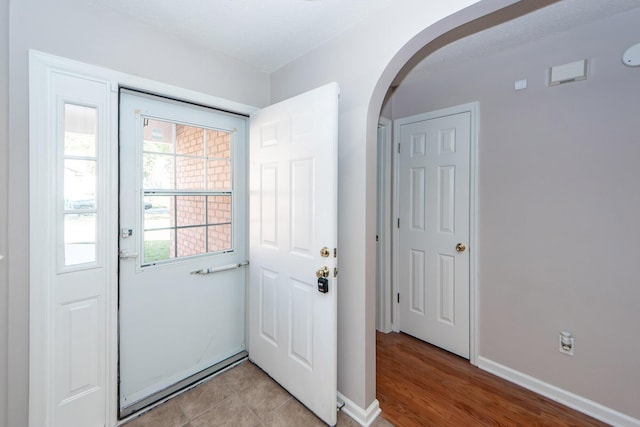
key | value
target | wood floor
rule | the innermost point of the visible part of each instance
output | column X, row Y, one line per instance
column 422, row 385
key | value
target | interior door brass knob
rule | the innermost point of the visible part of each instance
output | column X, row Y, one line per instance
column 460, row 247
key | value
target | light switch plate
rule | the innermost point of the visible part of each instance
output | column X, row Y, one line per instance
column 520, row 84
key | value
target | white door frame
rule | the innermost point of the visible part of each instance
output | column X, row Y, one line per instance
column 384, row 225
column 473, row 109
column 42, row 265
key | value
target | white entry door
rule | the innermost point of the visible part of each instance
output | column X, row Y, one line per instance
column 293, row 234
column 182, row 244
column 433, row 256
column 181, row 232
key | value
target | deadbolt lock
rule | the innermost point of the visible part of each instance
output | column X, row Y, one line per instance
column 325, row 252
column 323, row 272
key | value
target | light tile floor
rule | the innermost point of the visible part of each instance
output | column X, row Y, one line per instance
column 242, row 396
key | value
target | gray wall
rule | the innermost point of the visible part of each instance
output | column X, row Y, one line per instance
column 75, row 29
column 4, row 142
column 559, row 205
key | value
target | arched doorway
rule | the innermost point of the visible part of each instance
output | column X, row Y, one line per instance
column 438, row 44
column 611, row 61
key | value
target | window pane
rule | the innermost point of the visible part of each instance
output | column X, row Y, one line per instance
column 219, row 237
column 158, row 171
column 189, row 141
column 190, row 210
column 79, row 131
column 189, row 173
column 79, row 238
column 158, row 212
column 157, row 147
column 158, row 245
column 158, row 136
column 218, row 144
column 79, row 184
column 219, row 209
column 219, row 175
column 191, row 241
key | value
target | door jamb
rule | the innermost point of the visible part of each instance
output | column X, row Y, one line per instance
column 473, row 108
column 383, row 253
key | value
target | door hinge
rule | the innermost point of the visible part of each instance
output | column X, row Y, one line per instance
column 398, row 297
column 398, row 148
column 398, row 222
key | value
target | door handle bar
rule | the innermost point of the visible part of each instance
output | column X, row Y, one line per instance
column 205, row 271
column 127, row 255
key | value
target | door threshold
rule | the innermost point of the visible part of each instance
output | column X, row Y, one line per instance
column 141, row 406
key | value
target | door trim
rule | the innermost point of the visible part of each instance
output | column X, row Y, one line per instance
column 42, row 268
column 384, row 225
column 472, row 108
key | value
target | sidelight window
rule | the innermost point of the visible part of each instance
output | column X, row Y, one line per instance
column 79, row 184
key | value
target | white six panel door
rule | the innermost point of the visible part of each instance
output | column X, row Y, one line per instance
column 434, row 219
column 293, row 214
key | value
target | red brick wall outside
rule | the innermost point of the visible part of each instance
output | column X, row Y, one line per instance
column 190, row 175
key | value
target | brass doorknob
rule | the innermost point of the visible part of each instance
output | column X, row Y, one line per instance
column 460, row 247
column 323, row 272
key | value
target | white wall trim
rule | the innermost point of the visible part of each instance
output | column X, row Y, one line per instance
column 474, row 245
column 40, row 278
column 395, row 235
column 384, row 225
column 120, row 79
column 364, row 417
column 474, row 109
column 574, row 401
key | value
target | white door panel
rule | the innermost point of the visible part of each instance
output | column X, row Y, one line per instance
column 434, row 212
column 181, row 189
column 293, row 214
column 70, row 226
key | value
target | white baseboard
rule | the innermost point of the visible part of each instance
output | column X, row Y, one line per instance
column 579, row 403
column 364, row 417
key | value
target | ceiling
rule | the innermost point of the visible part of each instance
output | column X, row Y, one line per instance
column 268, row 34
column 553, row 19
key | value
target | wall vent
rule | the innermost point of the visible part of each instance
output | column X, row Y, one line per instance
column 568, row 73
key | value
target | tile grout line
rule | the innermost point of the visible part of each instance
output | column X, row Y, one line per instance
column 244, row 402
column 235, row 387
